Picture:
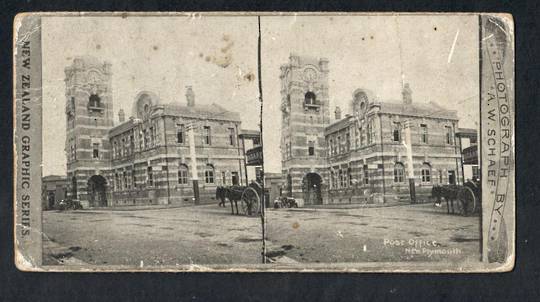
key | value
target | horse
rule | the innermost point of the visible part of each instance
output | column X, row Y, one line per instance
column 233, row 194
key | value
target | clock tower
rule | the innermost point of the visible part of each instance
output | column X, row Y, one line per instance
column 89, row 117
column 305, row 114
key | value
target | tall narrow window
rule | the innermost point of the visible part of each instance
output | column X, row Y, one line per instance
column 399, row 171
column 95, row 150
column 116, row 181
column 123, row 148
column 209, row 174
column 207, row 139
column 152, row 136
column 150, row 176
column 131, row 144
column 331, row 146
column 224, row 178
column 341, row 178
column 366, row 174
column 133, row 177
column 182, row 174
column 349, row 176
column 448, row 135
column 232, row 137
column 424, row 133
column 347, row 142
column 369, row 133
column 396, row 132
column 426, row 173
column 180, row 133
column 129, row 179
column 146, row 139
column 311, row 148
column 125, row 179
column 339, row 145
column 361, row 136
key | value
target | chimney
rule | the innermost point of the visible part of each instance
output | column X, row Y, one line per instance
column 121, row 115
column 407, row 94
column 338, row 113
column 190, row 96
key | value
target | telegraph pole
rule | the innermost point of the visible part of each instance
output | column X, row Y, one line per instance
column 193, row 157
column 410, row 170
column 263, row 202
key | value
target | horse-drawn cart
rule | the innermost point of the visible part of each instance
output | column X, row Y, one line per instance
column 249, row 196
column 467, row 197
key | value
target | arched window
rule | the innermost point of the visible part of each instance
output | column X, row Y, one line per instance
column 426, row 173
column 182, row 174
column 399, row 172
column 209, row 174
column 95, row 100
column 310, row 98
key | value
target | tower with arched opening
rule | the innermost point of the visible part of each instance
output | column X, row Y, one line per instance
column 305, row 115
column 89, row 116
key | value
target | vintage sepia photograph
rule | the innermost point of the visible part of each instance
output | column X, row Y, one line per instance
column 377, row 140
column 146, row 134
column 247, row 142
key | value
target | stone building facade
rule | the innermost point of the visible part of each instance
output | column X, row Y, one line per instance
column 54, row 188
column 145, row 159
column 362, row 156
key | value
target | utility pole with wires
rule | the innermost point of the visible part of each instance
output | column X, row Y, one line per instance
column 263, row 195
column 193, row 157
column 410, row 165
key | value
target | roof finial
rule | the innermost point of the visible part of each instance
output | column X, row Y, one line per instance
column 190, row 96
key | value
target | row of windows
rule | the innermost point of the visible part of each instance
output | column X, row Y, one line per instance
column 72, row 155
column 342, row 144
column 399, row 173
column 125, row 145
column 342, row 178
column 424, row 135
column 126, row 179
column 206, row 136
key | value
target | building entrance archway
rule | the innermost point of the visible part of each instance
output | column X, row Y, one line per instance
column 311, row 187
column 73, row 188
column 97, row 189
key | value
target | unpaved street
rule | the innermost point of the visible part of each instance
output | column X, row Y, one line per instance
column 187, row 235
column 358, row 235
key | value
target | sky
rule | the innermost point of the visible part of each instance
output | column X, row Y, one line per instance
column 218, row 57
column 215, row 55
column 372, row 52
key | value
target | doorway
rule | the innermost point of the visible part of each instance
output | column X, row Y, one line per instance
column 451, row 177
column 97, row 187
column 311, row 187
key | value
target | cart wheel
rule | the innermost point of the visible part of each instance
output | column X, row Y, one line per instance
column 250, row 202
column 467, row 201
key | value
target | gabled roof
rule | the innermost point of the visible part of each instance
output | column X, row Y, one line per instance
column 213, row 111
column 430, row 110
